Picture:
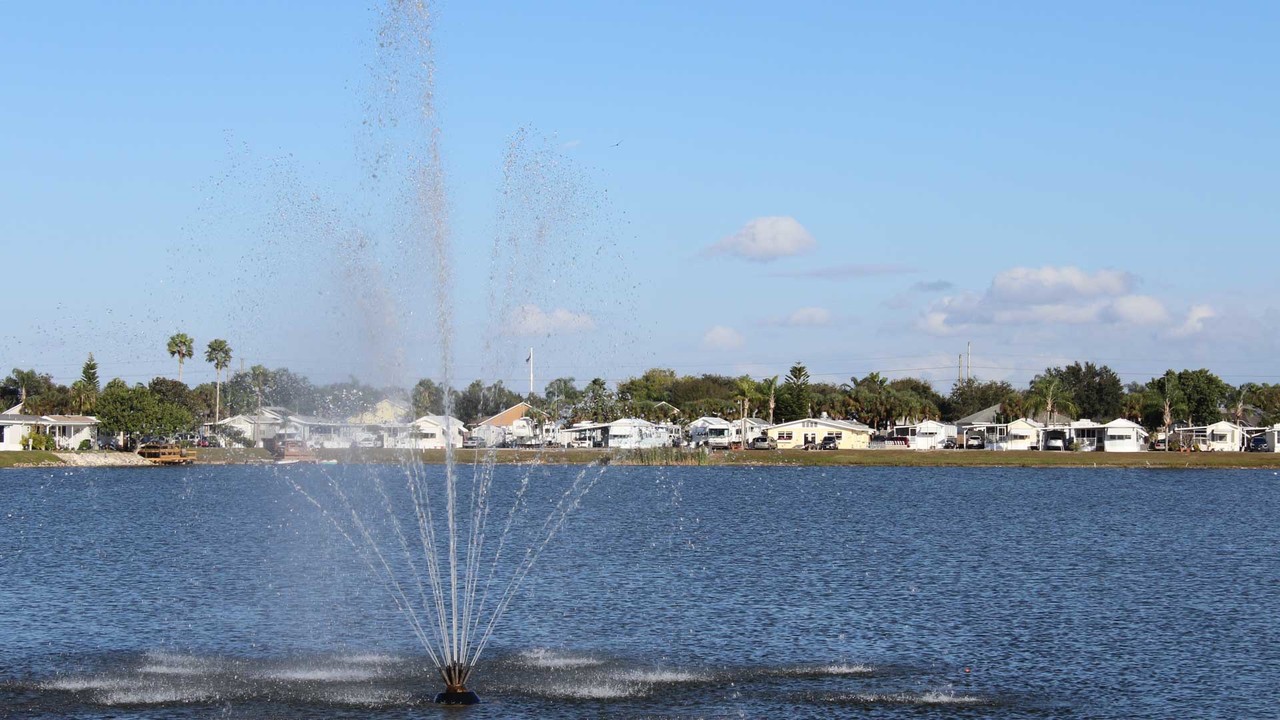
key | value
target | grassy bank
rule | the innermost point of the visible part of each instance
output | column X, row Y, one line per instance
column 684, row 456
column 797, row 458
column 25, row 458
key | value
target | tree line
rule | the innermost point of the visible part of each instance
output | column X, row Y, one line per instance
column 1078, row 390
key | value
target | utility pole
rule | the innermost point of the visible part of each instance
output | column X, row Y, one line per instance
column 969, row 348
column 530, row 361
column 959, row 367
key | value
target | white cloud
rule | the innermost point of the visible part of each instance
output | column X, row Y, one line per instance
column 809, row 316
column 1054, row 284
column 765, row 239
column 1194, row 322
column 533, row 320
column 722, row 338
column 1050, row 296
column 1137, row 310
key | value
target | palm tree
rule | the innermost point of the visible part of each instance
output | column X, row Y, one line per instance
column 182, row 347
column 218, row 353
column 1237, row 400
column 1014, row 406
column 769, row 388
column 747, row 391
column 1048, row 394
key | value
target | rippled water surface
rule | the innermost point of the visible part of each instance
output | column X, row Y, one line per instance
column 681, row 592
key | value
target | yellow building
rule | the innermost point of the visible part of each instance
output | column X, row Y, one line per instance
column 810, row 432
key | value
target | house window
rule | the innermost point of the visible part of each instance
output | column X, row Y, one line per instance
column 1117, row 438
column 784, row 435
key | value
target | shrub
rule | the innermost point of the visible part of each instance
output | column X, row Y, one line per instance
column 85, row 445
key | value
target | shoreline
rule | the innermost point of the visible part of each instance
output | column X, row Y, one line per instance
column 686, row 457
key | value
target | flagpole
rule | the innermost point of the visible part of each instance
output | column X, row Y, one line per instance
column 530, row 373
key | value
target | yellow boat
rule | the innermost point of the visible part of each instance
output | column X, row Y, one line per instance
column 167, row 454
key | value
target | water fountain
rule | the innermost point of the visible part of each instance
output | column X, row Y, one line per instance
column 448, row 571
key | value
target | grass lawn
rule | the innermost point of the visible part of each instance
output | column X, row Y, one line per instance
column 28, row 457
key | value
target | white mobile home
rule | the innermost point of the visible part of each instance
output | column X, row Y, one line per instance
column 634, row 433
column 433, row 432
column 927, row 435
column 1124, row 436
column 14, row 427
column 711, row 432
column 1024, row 434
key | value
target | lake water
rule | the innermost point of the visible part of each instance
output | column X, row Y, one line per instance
column 672, row 592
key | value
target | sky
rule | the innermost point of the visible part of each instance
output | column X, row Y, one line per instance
column 711, row 187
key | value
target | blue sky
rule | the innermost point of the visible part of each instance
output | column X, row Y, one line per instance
column 856, row 187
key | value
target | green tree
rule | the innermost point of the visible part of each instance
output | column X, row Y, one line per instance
column 597, row 402
column 1165, row 403
column 971, row 395
column 1049, row 394
column 428, row 398
column 182, row 347
column 654, row 386
column 795, row 401
column 22, row 384
column 1204, row 393
column 218, row 352
column 89, row 374
column 769, row 389
column 561, row 396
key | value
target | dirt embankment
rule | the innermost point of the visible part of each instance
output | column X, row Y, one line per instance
column 102, row 459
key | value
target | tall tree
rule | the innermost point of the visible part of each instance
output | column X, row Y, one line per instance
column 22, row 384
column 971, row 395
column 769, row 389
column 89, row 374
column 1204, row 393
column 428, row 398
column 182, row 347
column 219, row 353
column 796, row 399
column 1049, row 394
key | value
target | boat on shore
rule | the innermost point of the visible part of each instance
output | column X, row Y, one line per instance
column 292, row 452
column 167, row 454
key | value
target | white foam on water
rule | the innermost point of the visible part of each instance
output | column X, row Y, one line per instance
column 845, row 669
column 659, row 676
column 544, row 658
column 932, row 697
column 593, row 691
column 185, row 670
column 367, row 698
column 370, row 659
column 80, row 684
column 938, row 697
column 320, row 674
column 156, row 696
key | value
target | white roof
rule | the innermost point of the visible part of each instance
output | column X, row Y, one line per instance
column 440, row 420
column 708, row 421
column 630, row 422
column 851, row 426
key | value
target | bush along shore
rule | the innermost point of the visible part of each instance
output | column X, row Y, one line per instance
column 685, row 456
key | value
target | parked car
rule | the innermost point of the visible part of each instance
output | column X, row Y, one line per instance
column 828, row 443
column 1257, row 444
column 974, row 442
column 764, row 442
column 1055, row 444
column 949, row 444
column 472, row 442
